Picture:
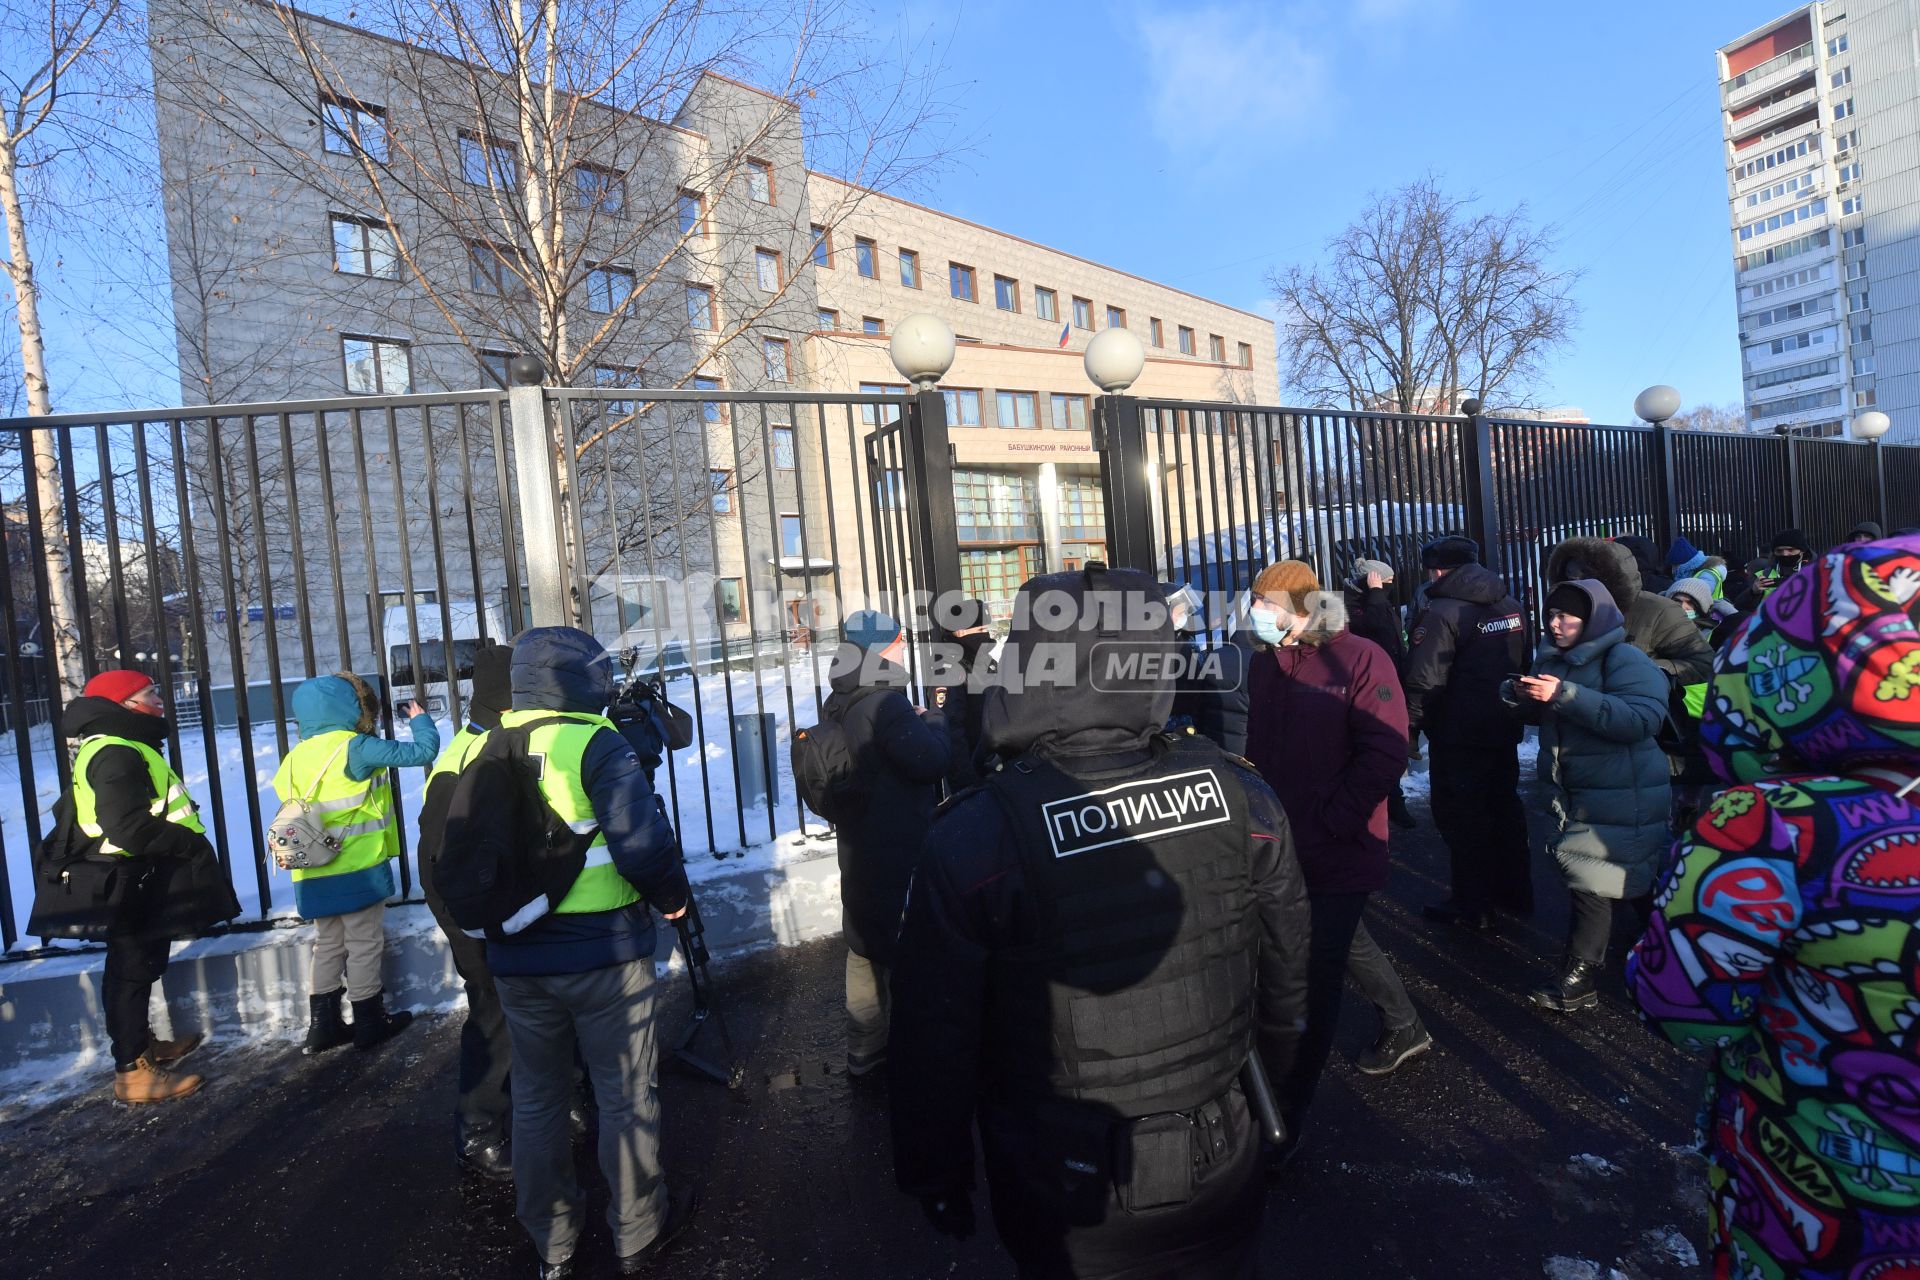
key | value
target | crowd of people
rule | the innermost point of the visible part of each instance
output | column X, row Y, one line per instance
column 1101, row 919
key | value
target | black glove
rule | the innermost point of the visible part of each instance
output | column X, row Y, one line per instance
column 950, row 1212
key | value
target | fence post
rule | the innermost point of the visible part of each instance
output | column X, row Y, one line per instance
column 1880, row 484
column 1476, row 457
column 1666, row 487
column 929, row 462
column 1793, row 481
column 535, row 484
column 1120, row 438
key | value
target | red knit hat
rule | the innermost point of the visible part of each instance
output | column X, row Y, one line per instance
column 116, row 686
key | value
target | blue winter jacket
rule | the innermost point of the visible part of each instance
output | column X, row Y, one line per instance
column 564, row 669
column 328, row 704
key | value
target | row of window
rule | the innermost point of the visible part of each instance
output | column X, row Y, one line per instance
column 1795, row 342
column 1774, row 159
column 1785, row 218
column 1792, row 186
column 1792, row 373
column 963, row 286
column 1787, row 311
column 1785, row 249
column 1017, row 409
column 1797, row 404
column 1791, row 280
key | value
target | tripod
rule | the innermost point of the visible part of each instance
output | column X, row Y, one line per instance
column 693, row 945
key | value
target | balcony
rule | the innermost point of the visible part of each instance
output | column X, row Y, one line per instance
column 1815, row 157
column 1757, row 82
column 1803, row 101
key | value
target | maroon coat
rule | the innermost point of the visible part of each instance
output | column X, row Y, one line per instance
column 1327, row 728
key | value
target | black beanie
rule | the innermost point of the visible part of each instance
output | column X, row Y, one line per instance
column 1568, row 598
column 492, row 685
column 1450, row 552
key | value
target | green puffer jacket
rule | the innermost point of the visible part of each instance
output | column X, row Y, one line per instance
column 1611, row 781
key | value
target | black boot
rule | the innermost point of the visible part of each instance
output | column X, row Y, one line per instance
column 324, row 1029
column 373, row 1025
column 487, row 1153
column 1578, row 987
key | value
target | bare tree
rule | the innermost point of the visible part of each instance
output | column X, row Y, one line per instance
column 52, row 51
column 1419, row 303
column 1711, row 417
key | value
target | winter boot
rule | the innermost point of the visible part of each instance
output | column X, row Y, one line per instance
column 373, row 1025
column 487, row 1153
column 682, row 1203
column 324, row 1029
column 1578, row 987
column 167, row 1052
column 144, row 1082
column 1395, row 1046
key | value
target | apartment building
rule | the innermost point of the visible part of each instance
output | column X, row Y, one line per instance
column 1821, row 109
column 350, row 215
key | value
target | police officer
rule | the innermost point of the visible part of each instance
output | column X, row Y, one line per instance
column 1470, row 637
column 1096, row 939
column 583, row 975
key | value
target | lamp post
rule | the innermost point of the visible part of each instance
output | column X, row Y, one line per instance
column 1113, row 362
column 1873, row 425
column 1656, row 405
column 922, row 350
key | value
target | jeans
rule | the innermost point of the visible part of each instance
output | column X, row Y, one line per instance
column 126, row 985
column 486, row 1053
column 353, row 944
column 868, row 1007
column 1335, row 917
column 1374, row 975
column 1476, row 807
column 608, row 1015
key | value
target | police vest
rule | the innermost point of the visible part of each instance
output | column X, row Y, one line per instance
column 558, row 750
column 1138, row 989
column 357, row 814
column 171, row 800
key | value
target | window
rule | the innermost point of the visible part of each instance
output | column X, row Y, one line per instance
column 1853, row 237
column 1841, row 110
column 1045, row 305
column 766, row 269
column 711, row 410
column 1850, row 172
column 1864, row 397
column 1857, row 270
column 1786, row 311
column 486, row 163
column 364, row 247
column 493, row 369
column 1791, row 280
column 960, row 281
column 1779, row 190
column 618, row 375
column 1858, row 301
column 871, row 414
column 608, row 288
column 1216, row 348
column 1796, row 404
column 1842, row 77
column 493, row 270
column 693, row 213
column 909, row 268
column 1246, row 355
column 773, row 353
column 1836, row 46
column 822, row 246
column 1845, row 142
column 1863, row 332
column 792, row 536
column 1791, row 373
column 1853, row 204
column 1017, row 408
column 700, row 307
column 1773, row 160
column 866, row 258
column 996, row 506
column 760, row 181
column 377, row 366
column 783, row 448
column 1784, row 250
column 728, row 600
column 1156, row 333
column 872, row 324
column 1785, row 218
column 1862, row 364
column 722, row 492
column 1083, row 509
column 963, row 407
column 1006, row 293
column 1116, row 317
column 828, row 321
column 1070, row 413
column 347, row 127
column 1794, row 342
column 601, row 190
column 1186, row 341
column 1082, row 314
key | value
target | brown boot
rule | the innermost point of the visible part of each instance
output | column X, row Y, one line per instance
column 144, row 1082
column 167, row 1052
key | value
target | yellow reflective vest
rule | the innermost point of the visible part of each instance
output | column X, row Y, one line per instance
column 358, row 814
column 171, row 800
column 558, row 750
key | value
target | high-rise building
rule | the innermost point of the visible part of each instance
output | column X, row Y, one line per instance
column 1821, row 111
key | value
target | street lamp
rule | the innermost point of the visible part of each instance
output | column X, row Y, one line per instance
column 1871, row 425
column 1656, row 404
column 1114, row 360
column 922, row 350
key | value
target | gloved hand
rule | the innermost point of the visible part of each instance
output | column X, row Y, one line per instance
column 950, row 1212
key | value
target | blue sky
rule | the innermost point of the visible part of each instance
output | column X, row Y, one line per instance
column 1205, row 145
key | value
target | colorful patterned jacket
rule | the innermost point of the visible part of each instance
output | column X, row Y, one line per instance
column 1784, row 941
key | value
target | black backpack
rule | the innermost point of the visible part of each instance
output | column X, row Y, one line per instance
column 506, row 858
column 826, row 772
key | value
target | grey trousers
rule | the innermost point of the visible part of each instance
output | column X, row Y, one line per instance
column 608, row 1013
column 868, row 1005
column 353, row 944
column 1374, row 974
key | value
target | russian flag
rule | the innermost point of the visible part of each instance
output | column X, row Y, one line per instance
column 1065, row 329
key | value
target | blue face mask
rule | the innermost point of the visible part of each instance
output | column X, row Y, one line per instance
column 1267, row 627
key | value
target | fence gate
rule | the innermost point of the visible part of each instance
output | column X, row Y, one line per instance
column 910, row 499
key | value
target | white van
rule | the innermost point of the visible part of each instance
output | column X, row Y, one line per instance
column 442, row 649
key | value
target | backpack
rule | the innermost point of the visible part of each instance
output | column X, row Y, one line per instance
column 297, row 836
column 825, row 771
column 506, row 858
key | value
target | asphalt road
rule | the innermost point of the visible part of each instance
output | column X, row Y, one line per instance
column 1525, row 1145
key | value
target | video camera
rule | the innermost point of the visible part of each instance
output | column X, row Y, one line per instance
column 640, row 710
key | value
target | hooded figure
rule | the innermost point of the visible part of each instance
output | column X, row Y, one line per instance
column 1865, row 531
column 1789, row 552
column 1655, row 625
column 1687, row 561
column 1096, row 938
column 1654, row 575
column 1782, row 944
column 1603, row 703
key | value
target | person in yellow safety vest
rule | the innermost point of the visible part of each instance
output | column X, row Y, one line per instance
column 582, row 975
column 340, row 766
column 1689, row 561
column 127, row 803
